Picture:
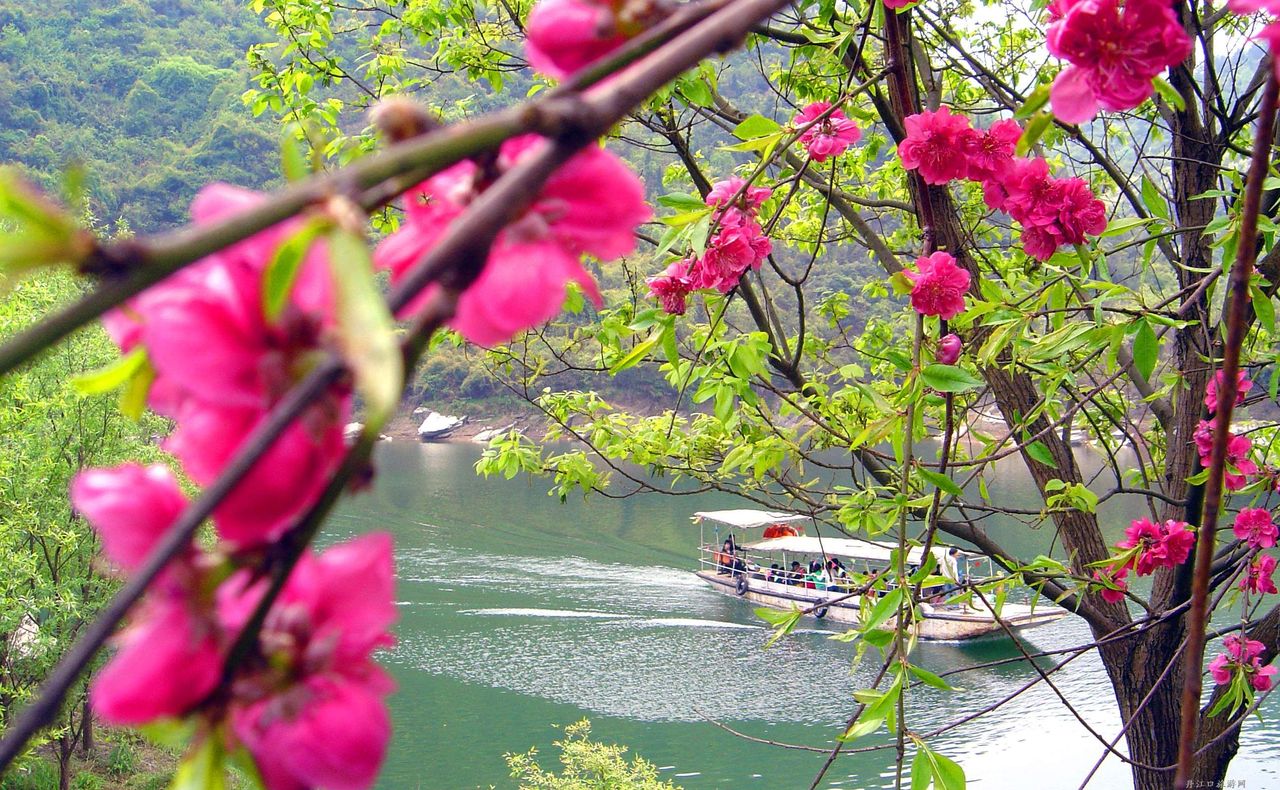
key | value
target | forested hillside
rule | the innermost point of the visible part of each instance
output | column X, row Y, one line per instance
column 145, row 94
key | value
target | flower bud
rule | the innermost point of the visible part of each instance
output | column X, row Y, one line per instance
column 949, row 349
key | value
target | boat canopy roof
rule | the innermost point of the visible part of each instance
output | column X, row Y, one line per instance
column 871, row 551
column 748, row 519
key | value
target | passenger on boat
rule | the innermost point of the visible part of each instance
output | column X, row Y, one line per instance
column 796, row 576
column 775, row 574
column 725, row 559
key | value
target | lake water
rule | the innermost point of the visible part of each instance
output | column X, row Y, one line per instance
column 520, row 615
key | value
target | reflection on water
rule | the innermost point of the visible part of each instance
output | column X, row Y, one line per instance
column 519, row 614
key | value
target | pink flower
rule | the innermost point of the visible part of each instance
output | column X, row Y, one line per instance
column 1222, row 669
column 166, row 661
column 1257, row 578
column 130, row 506
column 591, row 206
column 896, row 4
column 939, row 286
column 935, row 145
column 1239, row 465
column 1031, row 195
column 1041, row 241
column 1243, row 386
column 949, row 348
column 1115, row 54
column 1159, row 545
column 1203, row 438
column 1253, row 6
column 1261, row 679
column 723, row 191
column 989, row 153
column 563, row 36
column 739, row 245
column 314, row 714
column 672, row 286
column 221, row 364
column 1115, row 576
column 1254, row 526
column 1079, row 212
column 829, row 137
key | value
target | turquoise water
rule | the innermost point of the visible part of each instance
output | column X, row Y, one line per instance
column 519, row 615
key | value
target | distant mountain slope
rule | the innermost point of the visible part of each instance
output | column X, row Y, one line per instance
column 144, row 93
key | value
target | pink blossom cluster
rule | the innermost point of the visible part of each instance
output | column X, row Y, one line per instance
column 830, row 136
column 737, row 244
column 221, row 364
column 565, row 36
column 1242, row 656
column 1146, row 546
column 943, row 147
column 1269, row 34
column 1243, row 385
column 1239, row 465
column 1255, row 527
column 938, row 288
column 1116, row 51
column 590, row 206
column 310, row 708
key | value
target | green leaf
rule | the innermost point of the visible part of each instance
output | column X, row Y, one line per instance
column 636, row 354
column 1262, row 306
column 1039, row 452
column 947, row 773
column 1145, row 349
column 861, row 728
column 682, row 202
column 885, row 608
column 949, row 378
column 929, row 678
column 1036, row 127
column 112, row 376
column 1034, row 103
column 755, row 126
column 203, row 769
column 942, row 482
column 921, row 770
column 366, row 331
column 282, row 269
column 1153, row 200
column 1170, row 94
column 133, row 399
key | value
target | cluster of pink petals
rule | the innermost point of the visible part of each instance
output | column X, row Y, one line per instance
column 737, row 245
column 1115, row 576
column 830, row 136
column 935, row 145
column 1255, row 526
column 1257, row 578
column 1269, row 34
column 312, row 712
column 1052, row 211
column 673, row 286
column 1243, row 655
column 221, row 365
column 943, row 147
column 564, row 36
column 591, row 206
column 938, row 286
column 1239, row 465
column 1158, row 545
column 1115, row 51
column 1243, row 385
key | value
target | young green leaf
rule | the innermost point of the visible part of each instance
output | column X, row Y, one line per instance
column 949, row 378
column 366, row 330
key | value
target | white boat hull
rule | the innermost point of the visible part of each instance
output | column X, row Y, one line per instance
column 950, row 622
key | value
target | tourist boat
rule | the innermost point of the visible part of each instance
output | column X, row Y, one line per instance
column 438, row 426
column 748, row 572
